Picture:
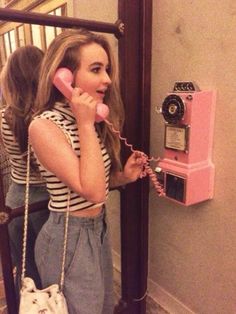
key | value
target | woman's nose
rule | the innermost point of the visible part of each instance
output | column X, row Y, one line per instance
column 106, row 78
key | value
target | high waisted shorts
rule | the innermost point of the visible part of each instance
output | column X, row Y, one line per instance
column 88, row 284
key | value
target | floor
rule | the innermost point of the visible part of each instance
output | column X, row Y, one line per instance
column 152, row 307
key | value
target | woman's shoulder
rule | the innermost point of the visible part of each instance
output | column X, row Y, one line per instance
column 59, row 112
column 50, row 120
column 48, row 114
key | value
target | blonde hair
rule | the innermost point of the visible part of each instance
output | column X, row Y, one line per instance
column 64, row 51
column 19, row 82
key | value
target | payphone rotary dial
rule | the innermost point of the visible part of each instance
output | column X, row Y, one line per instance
column 186, row 169
column 173, row 108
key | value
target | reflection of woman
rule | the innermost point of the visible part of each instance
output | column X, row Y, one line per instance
column 19, row 80
column 83, row 157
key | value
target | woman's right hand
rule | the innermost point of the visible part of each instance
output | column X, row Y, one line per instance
column 83, row 106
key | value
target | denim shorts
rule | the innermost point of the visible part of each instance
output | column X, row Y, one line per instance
column 88, row 286
column 16, row 194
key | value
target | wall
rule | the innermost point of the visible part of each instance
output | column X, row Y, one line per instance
column 192, row 255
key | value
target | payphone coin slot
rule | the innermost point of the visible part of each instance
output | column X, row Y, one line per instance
column 175, row 187
column 185, row 87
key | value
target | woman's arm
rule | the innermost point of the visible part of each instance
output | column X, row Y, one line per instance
column 84, row 175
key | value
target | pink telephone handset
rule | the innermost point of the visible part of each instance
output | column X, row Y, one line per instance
column 63, row 80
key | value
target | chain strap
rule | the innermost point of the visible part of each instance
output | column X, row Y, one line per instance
column 65, row 241
column 26, row 214
column 26, row 218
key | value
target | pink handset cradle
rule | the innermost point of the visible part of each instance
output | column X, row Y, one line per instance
column 63, row 80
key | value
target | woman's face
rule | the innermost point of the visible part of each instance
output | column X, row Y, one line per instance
column 92, row 76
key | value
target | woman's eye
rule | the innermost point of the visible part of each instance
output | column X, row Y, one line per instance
column 95, row 70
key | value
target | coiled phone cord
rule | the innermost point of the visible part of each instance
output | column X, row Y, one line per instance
column 147, row 170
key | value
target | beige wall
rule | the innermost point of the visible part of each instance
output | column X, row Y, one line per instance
column 105, row 11
column 192, row 251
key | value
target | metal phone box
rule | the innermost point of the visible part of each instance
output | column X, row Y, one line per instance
column 186, row 168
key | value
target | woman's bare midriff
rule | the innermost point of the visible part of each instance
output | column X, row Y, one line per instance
column 88, row 212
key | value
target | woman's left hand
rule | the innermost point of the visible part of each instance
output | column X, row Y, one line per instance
column 132, row 171
column 134, row 166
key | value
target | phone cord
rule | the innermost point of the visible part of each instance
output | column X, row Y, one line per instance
column 147, row 170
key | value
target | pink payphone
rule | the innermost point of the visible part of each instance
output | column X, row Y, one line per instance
column 186, row 169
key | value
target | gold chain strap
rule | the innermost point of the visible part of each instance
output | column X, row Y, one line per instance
column 26, row 217
column 26, row 214
column 65, row 241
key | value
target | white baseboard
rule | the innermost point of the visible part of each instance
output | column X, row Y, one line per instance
column 116, row 268
column 158, row 295
column 166, row 300
column 116, row 260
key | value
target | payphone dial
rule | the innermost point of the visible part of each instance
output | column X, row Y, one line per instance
column 186, row 169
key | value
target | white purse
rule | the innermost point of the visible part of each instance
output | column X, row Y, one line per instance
column 34, row 301
column 51, row 299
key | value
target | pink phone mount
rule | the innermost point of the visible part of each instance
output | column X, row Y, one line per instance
column 63, row 80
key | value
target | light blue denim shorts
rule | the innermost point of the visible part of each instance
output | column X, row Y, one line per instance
column 16, row 194
column 88, row 284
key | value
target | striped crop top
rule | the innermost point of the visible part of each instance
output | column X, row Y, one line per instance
column 62, row 116
column 16, row 158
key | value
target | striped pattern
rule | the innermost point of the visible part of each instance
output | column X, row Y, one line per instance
column 17, row 159
column 62, row 116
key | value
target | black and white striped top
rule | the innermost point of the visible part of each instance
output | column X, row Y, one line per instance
column 62, row 116
column 17, row 159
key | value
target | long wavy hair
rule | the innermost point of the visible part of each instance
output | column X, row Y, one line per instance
column 19, row 82
column 64, row 51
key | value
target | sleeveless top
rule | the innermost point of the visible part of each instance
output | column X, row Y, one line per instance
column 63, row 117
column 16, row 158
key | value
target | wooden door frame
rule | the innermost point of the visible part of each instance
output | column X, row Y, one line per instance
column 135, row 67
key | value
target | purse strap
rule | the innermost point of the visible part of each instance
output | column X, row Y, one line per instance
column 26, row 218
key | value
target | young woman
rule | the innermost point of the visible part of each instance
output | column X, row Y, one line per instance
column 79, row 160
column 18, row 84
